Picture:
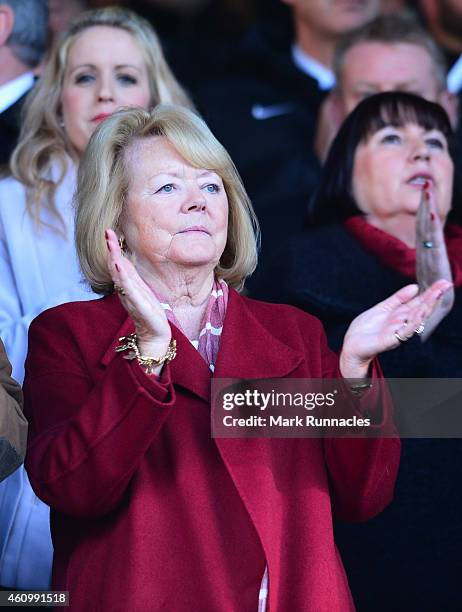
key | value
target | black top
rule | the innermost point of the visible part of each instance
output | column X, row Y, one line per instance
column 10, row 123
column 409, row 557
column 263, row 109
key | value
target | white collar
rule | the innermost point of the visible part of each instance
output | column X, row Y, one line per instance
column 311, row 67
column 11, row 92
column 455, row 77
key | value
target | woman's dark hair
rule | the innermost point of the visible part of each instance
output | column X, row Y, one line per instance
column 334, row 201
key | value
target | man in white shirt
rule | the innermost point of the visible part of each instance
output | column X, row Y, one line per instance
column 23, row 34
column 318, row 25
column 264, row 108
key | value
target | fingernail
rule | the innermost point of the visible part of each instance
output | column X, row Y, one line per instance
column 441, row 292
column 117, row 267
column 426, row 185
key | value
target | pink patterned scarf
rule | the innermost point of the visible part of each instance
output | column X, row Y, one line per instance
column 211, row 325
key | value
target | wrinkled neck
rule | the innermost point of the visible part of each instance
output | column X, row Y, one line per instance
column 186, row 290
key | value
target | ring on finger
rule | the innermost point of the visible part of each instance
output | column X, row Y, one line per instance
column 119, row 290
column 398, row 337
column 420, row 329
column 428, row 244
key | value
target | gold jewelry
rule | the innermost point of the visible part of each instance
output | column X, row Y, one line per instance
column 122, row 244
column 130, row 343
column 398, row 337
column 119, row 290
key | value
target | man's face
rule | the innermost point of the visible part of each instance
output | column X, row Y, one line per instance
column 375, row 67
column 334, row 17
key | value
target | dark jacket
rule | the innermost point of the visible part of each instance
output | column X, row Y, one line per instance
column 263, row 109
column 151, row 513
column 408, row 559
column 10, row 124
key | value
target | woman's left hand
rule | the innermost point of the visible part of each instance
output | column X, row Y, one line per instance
column 387, row 325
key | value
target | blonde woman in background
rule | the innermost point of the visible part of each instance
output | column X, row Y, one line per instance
column 108, row 59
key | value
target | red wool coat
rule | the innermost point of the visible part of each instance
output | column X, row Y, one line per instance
column 148, row 512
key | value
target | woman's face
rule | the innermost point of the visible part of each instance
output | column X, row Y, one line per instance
column 391, row 167
column 175, row 213
column 105, row 71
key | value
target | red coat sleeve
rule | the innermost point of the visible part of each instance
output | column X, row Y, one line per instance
column 86, row 437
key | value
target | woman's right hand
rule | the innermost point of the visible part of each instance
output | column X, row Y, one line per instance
column 151, row 324
column 432, row 262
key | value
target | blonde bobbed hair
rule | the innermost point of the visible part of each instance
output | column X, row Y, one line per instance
column 43, row 142
column 103, row 188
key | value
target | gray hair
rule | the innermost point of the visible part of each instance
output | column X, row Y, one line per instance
column 393, row 29
column 28, row 38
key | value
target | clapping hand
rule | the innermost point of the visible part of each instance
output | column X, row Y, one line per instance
column 151, row 325
column 432, row 261
column 387, row 325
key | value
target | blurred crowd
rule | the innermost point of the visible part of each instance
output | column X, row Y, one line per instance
column 275, row 80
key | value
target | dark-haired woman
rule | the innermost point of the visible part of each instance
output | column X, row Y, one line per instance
column 361, row 245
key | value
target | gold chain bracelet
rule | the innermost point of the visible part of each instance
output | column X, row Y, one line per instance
column 130, row 343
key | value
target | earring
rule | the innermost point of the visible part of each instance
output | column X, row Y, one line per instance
column 122, row 244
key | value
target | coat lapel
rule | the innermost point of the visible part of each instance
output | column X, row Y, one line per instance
column 248, row 349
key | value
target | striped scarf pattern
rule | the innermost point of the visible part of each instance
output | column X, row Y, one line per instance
column 211, row 326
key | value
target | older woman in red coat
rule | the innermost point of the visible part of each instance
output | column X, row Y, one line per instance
column 148, row 511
